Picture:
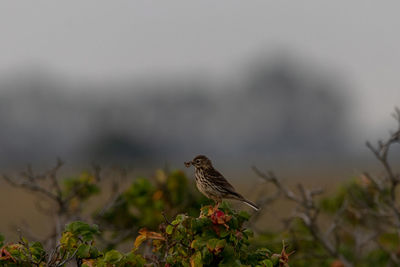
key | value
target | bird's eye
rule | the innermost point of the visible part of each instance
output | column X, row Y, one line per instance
column 198, row 161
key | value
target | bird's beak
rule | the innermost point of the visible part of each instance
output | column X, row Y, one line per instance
column 188, row 164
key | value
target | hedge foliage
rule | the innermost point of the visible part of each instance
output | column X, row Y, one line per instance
column 217, row 237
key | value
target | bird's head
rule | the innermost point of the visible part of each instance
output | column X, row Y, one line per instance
column 200, row 161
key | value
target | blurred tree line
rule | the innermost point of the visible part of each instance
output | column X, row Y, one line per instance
column 278, row 104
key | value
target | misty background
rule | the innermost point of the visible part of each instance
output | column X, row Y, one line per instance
column 140, row 82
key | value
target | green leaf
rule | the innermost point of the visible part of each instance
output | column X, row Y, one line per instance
column 94, row 252
column 229, row 252
column 230, row 262
column 68, row 240
column 195, row 260
column 234, row 223
column 244, row 215
column 224, row 233
column 37, row 251
column 275, row 259
column 82, row 229
column 207, row 256
column 180, row 218
column 212, row 243
column 83, row 251
column 133, row 259
column 248, row 233
column 113, row 256
column 220, row 244
column 169, row 229
column 225, row 206
column 198, row 243
column 267, row 263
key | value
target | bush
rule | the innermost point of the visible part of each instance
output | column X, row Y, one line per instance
column 215, row 238
column 145, row 203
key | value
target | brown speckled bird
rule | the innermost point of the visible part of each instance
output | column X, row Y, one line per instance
column 213, row 184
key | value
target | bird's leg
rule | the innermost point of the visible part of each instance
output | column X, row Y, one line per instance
column 217, row 202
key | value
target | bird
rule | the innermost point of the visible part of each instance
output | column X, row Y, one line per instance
column 213, row 184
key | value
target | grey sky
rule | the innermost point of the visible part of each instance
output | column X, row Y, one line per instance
column 96, row 39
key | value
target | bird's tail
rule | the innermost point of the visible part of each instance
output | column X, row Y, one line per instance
column 237, row 196
column 251, row 204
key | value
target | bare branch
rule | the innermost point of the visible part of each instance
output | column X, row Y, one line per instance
column 69, row 258
column 32, row 186
column 308, row 212
column 271, row 178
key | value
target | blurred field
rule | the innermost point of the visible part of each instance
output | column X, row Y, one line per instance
column 19, row 208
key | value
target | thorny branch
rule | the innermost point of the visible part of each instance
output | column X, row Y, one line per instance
column 386, row 211
column 381, row 152
column 308, row 212
column 48, row 185
column 388, row 182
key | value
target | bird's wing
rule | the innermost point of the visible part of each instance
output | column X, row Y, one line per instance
column 222, row 184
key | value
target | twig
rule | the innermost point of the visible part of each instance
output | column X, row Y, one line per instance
column 307, row 211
